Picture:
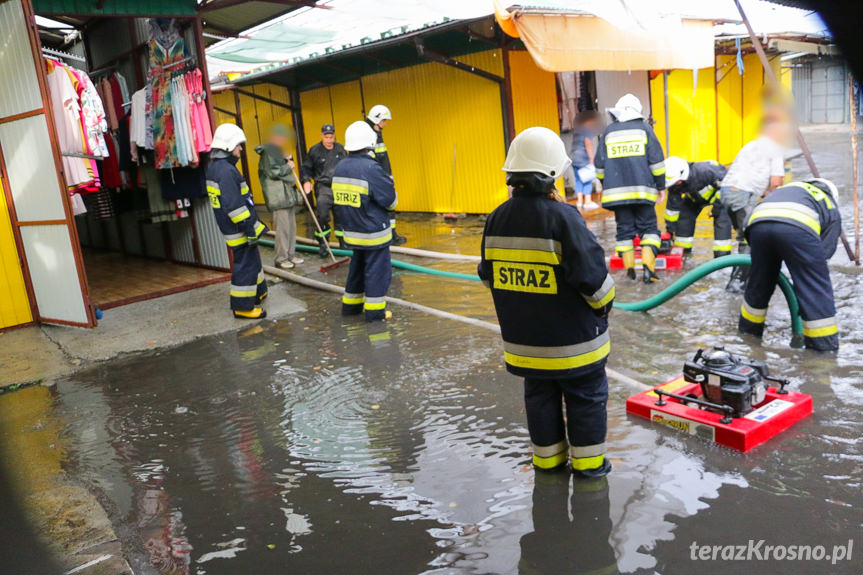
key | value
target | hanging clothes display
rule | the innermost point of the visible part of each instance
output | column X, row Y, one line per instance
column 200, row 119
column 167, row 50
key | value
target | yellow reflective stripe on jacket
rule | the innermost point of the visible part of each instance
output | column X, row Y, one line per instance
column 244, row 189
column 239, row 214
column 814, row 191
column 787, row 211
column 373, row 239
column 752, row 314
column 629, row 193
column 380, row 148
column 557, row 357
column 658, row 168
column 350, row 185
column 234, row 240
column 820, row 327
column 259, row 229
column 600, row 173
column 601, row 297
column 672, row 215
column 523, row 249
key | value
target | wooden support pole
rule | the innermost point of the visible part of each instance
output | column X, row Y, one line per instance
column 771, row 76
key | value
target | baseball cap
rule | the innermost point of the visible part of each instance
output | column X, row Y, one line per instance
column 328, row 129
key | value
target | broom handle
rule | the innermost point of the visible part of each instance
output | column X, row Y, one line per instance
column 312, row 213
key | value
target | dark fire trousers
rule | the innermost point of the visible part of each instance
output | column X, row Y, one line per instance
column 685, row 228
column 368, row 281
column 248, row 285
column 323, row 206
column 771, row 244
column 636, row 219
column 585, row 399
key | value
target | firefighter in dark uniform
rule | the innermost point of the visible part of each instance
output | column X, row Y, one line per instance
column 629, row 161
column 319, row 165
column 552, row 294
column 365, row 196
column 691, row 187
column 236, row 217
column 798, row 224
column 377, row 118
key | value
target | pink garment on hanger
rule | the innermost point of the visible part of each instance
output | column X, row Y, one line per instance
column 201, row 129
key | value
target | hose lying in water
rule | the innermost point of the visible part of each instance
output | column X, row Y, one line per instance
column 708, row 268
column 324, row 286
column 403, row 250
column 396, row 263
column 674, row 289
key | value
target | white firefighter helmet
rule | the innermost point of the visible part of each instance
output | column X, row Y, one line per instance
column 537, row 149
column 379, row 112
column 827, row 186
column 227, row 137
column 628, row 107
column 676, row 170
column 360, row 136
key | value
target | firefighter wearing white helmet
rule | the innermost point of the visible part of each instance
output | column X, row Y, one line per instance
column 377, row 118
column 797, row 224
column 552, row 294
column 691, row 187
column 629, row 161
column 364, row 197
column 236, row 217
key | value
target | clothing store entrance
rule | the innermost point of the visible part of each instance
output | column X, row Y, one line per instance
column 105, row 127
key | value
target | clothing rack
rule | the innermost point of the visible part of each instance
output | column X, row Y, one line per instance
column 177, row 63
column 78, row 155
column 60, row 54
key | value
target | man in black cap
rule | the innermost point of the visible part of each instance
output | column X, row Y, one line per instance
column 319, row 165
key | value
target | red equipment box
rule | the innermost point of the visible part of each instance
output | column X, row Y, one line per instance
column 670, row 261
column 774, row 415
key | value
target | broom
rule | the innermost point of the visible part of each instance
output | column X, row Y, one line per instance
column 336, row 263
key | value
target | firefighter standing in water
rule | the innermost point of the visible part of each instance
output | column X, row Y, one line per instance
column 629, row 162
column 690, row 187
column 798, row 224
column 377, row 118
column 236, row 217
column 364, row 197
column 552, row 294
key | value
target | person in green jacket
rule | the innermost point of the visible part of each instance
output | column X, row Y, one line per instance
column 276, row 172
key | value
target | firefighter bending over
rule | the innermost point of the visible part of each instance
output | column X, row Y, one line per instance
column 691, row 186
column 798, row 224
column 364, row 197
column 552, row 294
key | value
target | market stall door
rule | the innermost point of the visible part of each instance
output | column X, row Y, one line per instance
column 30, row 157
column 14, row 303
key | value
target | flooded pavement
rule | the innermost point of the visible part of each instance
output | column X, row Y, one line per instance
column 319, row 444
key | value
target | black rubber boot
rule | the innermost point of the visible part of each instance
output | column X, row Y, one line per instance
column 342, row 244
column 739, row 274
column 322, row 243
column 630, row 273
column 399, row 240
column 602, row 471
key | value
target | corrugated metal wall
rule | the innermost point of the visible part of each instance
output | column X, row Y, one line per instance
column 14, row 303
column 691, row 111
column 213, row 250
column 435, row 109
column 33, row 181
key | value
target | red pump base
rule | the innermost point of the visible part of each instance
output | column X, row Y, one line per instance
column 773, row 416
column 670, row 260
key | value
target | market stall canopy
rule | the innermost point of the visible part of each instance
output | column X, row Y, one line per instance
column 608, row 35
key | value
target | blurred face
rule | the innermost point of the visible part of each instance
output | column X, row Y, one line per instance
column 237, row 151
column 381, row 124
column 278, row 141
column 328, row 140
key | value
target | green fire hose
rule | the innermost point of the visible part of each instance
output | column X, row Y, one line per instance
column 657, row 300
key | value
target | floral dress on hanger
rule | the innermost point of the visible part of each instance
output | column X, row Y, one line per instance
column 167, row 47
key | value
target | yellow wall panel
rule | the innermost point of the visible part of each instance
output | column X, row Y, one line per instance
column 347, row 106
column 729, row 103
column 14, row 303
column 753, row 94
column 657, row 109
column 691, row 114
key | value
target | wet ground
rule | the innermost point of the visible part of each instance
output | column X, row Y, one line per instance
column 315, row 444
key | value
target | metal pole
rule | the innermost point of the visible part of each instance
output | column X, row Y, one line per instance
column 854, row 170
column 768, row 71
